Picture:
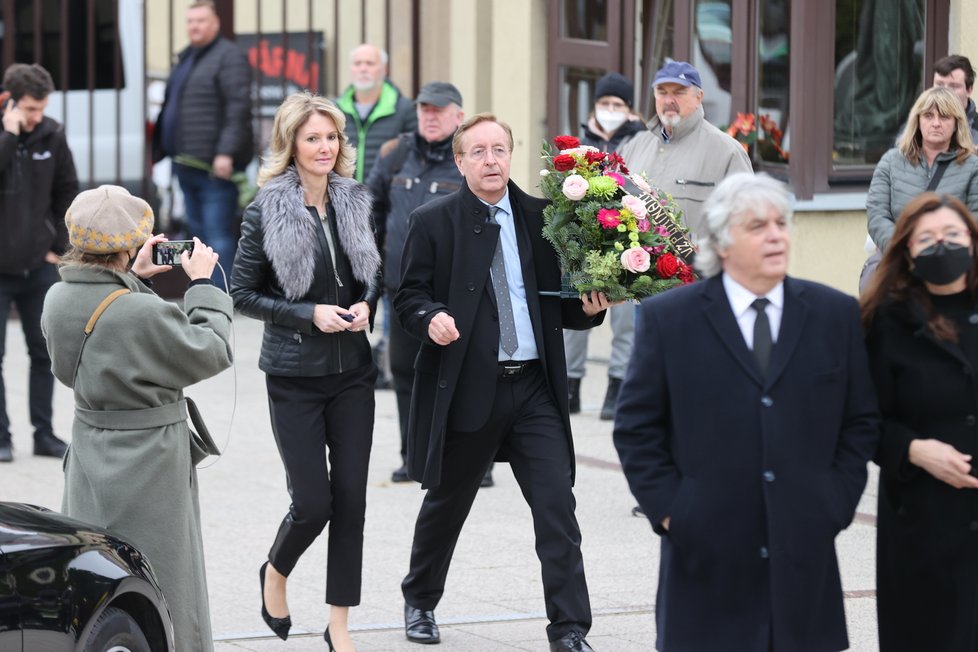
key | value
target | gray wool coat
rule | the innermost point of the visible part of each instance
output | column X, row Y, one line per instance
column 128, row 468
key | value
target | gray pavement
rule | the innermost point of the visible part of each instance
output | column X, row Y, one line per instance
column 493, row 600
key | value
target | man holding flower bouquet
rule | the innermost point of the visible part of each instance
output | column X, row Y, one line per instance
column 490, row 379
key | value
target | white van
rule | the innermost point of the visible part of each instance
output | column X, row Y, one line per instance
column 106, row 129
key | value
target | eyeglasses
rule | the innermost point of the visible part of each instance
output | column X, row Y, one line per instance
column 927, row 240
column 480, row 153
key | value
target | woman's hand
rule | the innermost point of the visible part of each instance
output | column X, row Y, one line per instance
column 944, row 462
column 361, row 316
column 143, row 266
column 201, row 263
column 329, row 318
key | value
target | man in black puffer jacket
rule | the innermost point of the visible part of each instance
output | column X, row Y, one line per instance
column 411, row 170
column 205, row 126
column 37, row 183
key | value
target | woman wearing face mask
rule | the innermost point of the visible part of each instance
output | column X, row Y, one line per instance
column 921, row 317
column 610, row 125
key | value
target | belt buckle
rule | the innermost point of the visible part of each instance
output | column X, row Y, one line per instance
column 511, row 369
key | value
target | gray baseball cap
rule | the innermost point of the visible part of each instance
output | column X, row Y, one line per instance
column 439, row 94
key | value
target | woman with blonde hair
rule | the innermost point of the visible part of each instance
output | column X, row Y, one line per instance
column 935, row 152
column 307, row 265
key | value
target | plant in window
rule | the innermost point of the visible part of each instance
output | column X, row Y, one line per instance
column 761, row 132
column 607, row 239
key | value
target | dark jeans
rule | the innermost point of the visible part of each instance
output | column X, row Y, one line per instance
column 27, row 293
column 526, row 425
column 310, row 418
column 212, row 214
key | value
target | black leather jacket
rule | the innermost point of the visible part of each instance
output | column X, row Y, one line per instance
column 292, row 345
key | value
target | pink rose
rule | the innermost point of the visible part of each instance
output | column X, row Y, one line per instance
column 640, row 182
column 620, row 180
column 636, row 260
column 609, row 218
column 635, row 206
column 575, row 187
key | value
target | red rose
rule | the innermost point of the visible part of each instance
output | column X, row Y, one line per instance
column 667, row 266
column 594, row 157
column 564, row 162
column 686, row 274
column 566, row 142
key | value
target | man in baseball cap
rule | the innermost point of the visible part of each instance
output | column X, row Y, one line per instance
column 682, row 153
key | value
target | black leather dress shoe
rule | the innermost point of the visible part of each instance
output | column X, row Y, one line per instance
column 49, row 446
column 6, row 452
column 420, row 626
column 572, row 642
column 401, row 474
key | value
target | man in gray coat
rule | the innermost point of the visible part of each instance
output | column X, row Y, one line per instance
column 682, row 153
column 205, row 126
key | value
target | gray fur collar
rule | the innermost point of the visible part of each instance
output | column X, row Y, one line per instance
column 291, row 235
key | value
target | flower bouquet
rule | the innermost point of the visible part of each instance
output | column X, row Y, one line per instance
column 763, row 132
column 607, row 239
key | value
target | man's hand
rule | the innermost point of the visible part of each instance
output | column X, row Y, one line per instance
column 944, row 462
column 665, row 523
column 594, row 302
column 441, row 329
column 223, row 166
column 12, row 118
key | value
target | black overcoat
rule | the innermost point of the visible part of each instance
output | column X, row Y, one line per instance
column 445, row 268
column 927, row 537
column 758, row 475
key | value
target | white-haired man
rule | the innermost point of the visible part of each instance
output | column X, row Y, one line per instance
column 375, row 109
column 744, row 426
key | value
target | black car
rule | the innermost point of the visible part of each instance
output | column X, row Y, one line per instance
column 69, row 586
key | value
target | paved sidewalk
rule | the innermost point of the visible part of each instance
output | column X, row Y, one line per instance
column 493, row 600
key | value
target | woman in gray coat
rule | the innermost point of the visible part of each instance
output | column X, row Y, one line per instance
column 936, row 140
column 129, row 468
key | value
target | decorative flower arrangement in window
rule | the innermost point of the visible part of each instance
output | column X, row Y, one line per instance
column 607, row 239
column 747, row 130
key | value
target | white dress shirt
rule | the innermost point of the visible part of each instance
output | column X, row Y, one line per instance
column 741, row 298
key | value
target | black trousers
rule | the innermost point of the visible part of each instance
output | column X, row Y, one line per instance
column 310, row 417
column 525, row 424
column 402, row 349
column 27, row 293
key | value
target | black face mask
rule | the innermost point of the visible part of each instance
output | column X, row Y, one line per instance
column 942, row 263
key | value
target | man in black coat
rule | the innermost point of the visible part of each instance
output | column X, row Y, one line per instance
column 412, row 170
column 490, row 378
column 37, row 183
column 744, row 426
column 205, row 126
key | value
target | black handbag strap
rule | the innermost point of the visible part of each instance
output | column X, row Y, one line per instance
column 938, row 173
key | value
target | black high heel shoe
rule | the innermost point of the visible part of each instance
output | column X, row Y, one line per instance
column 328, row 640
column 280, row 626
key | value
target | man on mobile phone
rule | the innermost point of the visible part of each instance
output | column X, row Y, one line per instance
column 37, row 183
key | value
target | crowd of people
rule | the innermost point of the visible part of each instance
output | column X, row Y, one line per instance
column 375, row 198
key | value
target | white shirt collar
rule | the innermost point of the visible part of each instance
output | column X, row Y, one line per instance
column 741, row 298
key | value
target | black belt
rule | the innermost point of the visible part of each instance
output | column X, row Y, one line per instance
column 515, row 368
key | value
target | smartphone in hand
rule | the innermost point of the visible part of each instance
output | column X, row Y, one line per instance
column 168, row 253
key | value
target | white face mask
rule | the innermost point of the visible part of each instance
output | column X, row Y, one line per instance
column 610, row 120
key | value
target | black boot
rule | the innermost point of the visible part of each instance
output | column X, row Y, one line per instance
column 574, row 395
column 610, row 399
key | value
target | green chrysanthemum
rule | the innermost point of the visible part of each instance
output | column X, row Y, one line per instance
column 603, row 187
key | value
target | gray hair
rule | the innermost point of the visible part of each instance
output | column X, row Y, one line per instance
column 383, row 53
column 735, row 197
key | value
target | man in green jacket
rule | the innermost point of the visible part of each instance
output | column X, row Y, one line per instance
column 375, row 109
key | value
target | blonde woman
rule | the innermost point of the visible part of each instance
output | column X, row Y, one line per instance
column 935, row 152
column 307, row 266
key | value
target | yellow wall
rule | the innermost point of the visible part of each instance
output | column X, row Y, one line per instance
column 828, row 248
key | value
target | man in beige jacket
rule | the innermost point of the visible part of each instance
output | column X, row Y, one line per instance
column 682, row 153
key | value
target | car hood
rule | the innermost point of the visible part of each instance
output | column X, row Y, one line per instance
column 26, row 527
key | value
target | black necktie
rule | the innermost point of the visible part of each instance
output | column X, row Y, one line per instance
column 762, row 335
